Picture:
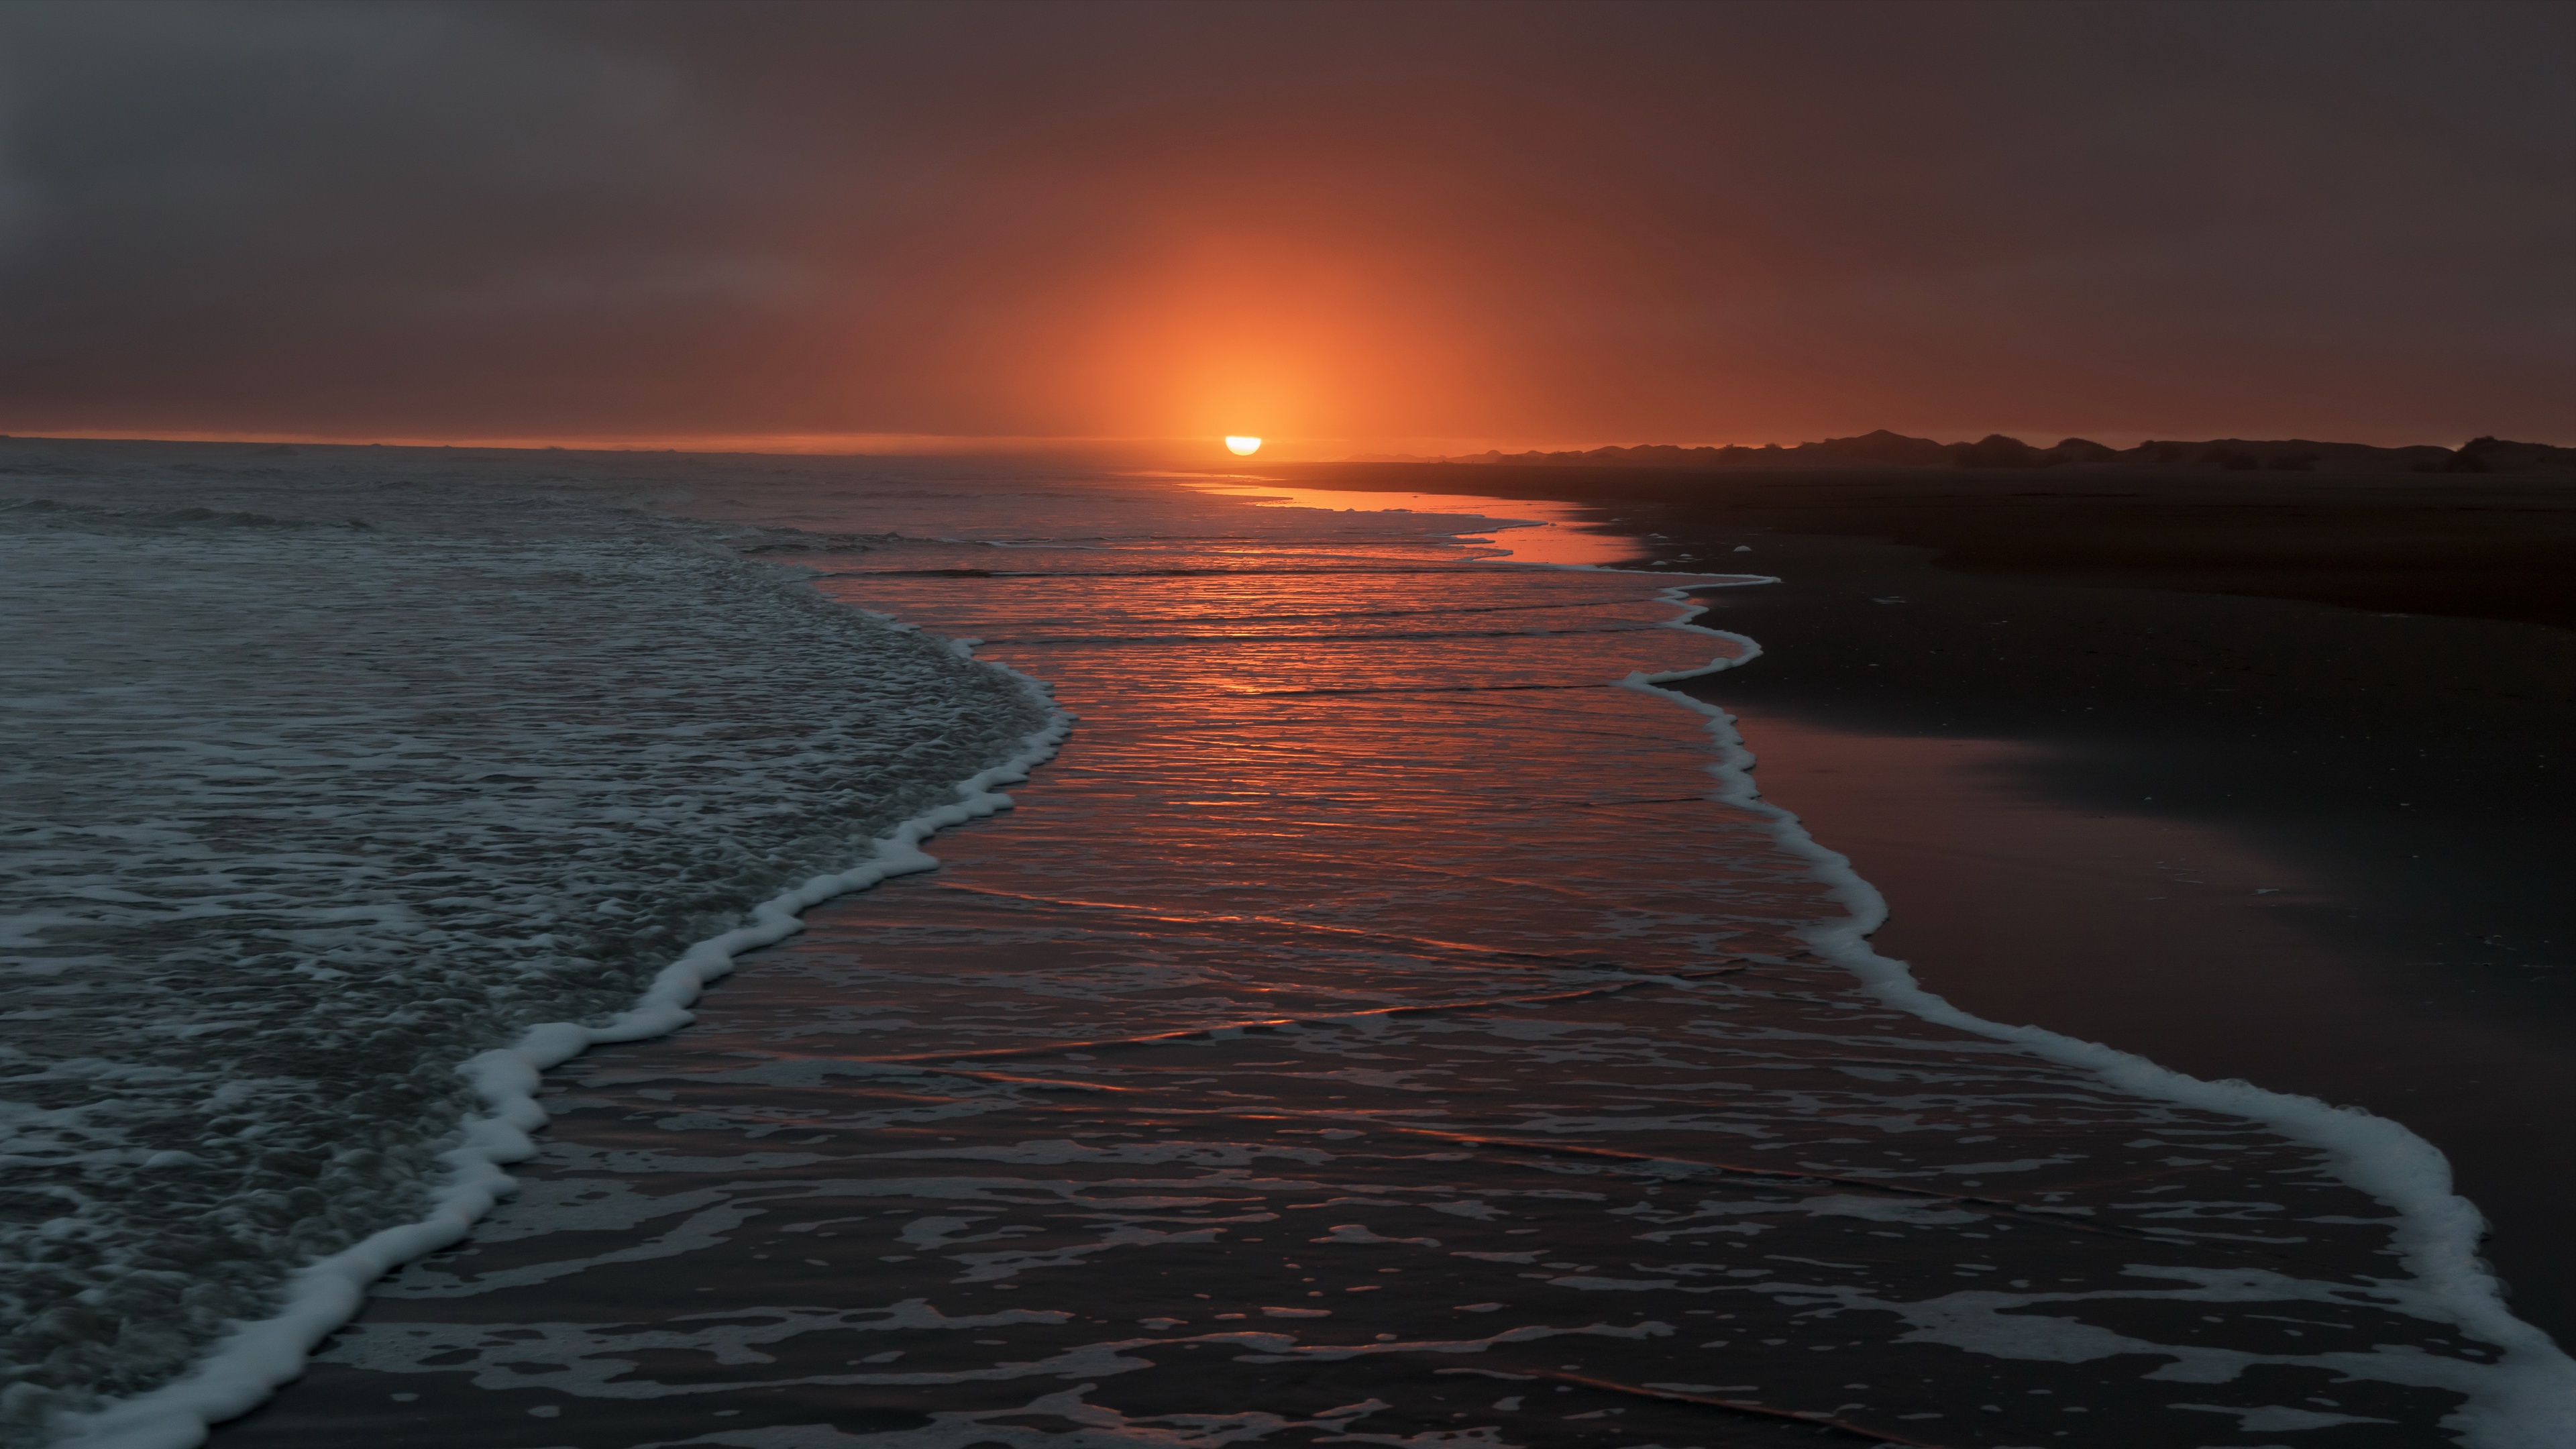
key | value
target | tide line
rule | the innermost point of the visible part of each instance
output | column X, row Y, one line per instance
column 2532, row 1405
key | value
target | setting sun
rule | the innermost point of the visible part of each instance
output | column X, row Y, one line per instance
column 1243, row 447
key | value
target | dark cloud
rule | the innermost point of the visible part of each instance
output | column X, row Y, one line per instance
column 1572, row 223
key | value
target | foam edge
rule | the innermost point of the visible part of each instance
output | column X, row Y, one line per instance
column 244, row 1367
column 2531, row 1406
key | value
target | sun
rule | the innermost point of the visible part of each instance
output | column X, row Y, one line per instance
column 1243, row 447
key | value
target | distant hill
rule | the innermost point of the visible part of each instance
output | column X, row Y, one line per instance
column 1883, row 449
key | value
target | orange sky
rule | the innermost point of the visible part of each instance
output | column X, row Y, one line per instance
column 1401, row 228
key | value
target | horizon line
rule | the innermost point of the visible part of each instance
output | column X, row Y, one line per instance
column 872, row 444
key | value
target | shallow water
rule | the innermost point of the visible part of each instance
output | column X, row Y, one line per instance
column 1369, row 1029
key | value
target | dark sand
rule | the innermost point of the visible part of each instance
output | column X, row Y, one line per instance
column 2260, row 776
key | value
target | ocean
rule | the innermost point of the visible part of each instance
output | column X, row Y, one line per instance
column 1351, row 1001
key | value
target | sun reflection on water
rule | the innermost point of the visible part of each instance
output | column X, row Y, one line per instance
column 1528, row 531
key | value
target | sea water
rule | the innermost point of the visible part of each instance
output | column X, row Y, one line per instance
column 1390, row 1019
column 322, row 780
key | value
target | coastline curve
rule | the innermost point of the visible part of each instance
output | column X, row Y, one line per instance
column 2439, row 1230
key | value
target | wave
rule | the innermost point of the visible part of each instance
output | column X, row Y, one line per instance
column 1409, row 908
column 2527, row 1401
column 305, row 819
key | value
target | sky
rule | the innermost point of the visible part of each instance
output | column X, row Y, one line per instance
column 1411, row 227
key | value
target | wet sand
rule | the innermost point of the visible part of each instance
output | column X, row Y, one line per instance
column 2493, row 546
column 2260, row 778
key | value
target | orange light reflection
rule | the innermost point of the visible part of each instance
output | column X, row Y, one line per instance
column 1555, row 532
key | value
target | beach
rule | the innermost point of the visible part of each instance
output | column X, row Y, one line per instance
column 1459, row 725
column 2259, row 777
column 1328, row 981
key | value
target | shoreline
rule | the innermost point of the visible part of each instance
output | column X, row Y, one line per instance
column 2499, row 547
column 2163, row 806
column 1707, row 690
column 801, row 1048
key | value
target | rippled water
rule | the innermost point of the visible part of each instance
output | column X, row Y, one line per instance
column 1374, row 1028
column 301, row 813
column 1388, row 1020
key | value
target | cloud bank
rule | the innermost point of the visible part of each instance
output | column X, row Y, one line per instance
column 1551, row 224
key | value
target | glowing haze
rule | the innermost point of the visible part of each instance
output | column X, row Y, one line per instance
column 1406, row 227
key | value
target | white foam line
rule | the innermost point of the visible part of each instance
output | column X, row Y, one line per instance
column 247, row 1365
column 2528, row 1401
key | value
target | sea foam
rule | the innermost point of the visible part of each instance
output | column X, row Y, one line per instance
column 2527, row 1401
column 1369, row 932
column 317, row 797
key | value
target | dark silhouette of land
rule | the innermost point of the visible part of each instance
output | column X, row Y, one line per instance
column 1884, row 449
